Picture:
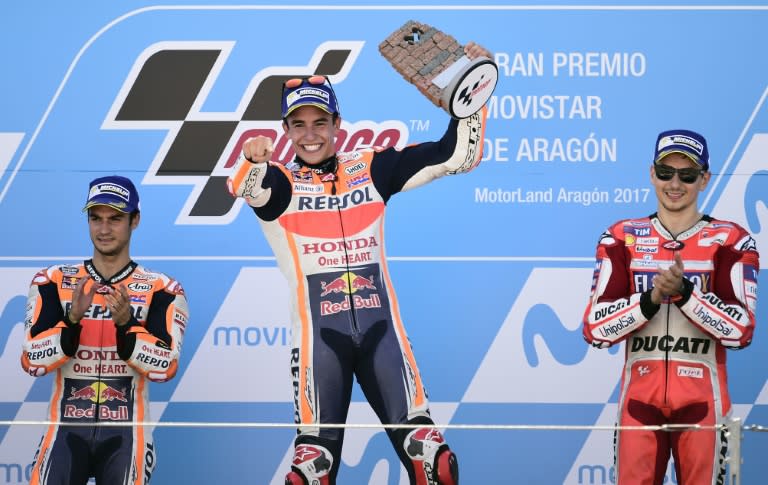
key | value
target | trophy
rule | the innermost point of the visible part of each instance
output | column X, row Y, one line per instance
column 435, row 63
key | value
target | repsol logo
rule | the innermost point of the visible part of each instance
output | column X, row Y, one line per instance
column 730, row 310
column 335, row 202
column 610, row 309
column 668, row 343
column 295, row 374
column 97, row 312
column 149, row 461
column 42, row 354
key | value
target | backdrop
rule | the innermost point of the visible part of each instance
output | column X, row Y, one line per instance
column 492, row 268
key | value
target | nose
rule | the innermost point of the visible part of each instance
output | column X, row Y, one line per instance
column 102, row 227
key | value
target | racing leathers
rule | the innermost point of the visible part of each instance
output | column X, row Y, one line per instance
column 675, row 367
column 101, row 371
column 325, row 227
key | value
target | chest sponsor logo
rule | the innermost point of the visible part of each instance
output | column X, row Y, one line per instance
column 139, row 287
column 695, row 372
column 335, row 202
column 707, row 239
column 307, row 188
column 341, row 246
column 637, row 231
column 648, row 241
column 668, row 343
column 353, row 169
column 358, row 180
column 348, row 157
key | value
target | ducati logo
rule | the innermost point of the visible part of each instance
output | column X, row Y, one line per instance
column 166, row 89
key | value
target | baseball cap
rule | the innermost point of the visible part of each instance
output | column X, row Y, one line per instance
column 685, row 142
column 113, row 191
column 309, row 91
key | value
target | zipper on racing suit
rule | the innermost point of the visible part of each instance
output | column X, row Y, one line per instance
column 352, row 310
column 666, row 409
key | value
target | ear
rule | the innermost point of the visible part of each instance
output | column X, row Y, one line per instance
column 135, row 220
column 704, row 180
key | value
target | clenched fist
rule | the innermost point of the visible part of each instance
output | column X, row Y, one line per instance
column 258, row 149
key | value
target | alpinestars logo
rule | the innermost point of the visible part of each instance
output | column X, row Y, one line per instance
column 166, row 90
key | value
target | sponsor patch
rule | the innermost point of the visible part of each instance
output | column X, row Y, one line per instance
column 358, row 180
column 353, row 169
column 348, row 157
column 302, row 177
column 139, row 287
column 648, row 241
column 307, row 188
column 695, row 372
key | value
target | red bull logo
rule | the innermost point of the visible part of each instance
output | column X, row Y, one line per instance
column 87, row 393
column 112, row 394
column 97, row 392
column 71, row 411
column 347, row 283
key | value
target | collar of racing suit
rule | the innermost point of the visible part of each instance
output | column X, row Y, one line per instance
column 326, row 166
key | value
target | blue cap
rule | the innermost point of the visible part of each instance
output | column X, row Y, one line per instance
column 308, row 94
column 114, row 191
column 685, row 142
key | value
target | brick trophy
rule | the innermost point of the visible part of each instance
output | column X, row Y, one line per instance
column 435, row 63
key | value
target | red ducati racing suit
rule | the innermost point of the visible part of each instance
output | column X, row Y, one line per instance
column 101, row 371
column 326, row 230
column 675, row 368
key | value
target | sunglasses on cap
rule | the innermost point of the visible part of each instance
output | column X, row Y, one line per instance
column 298, row 81
column 686, row 175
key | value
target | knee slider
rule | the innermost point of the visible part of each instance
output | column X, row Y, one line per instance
column 433, row 461
column 311, row 465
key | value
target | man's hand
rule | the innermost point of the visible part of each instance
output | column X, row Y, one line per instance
column 81, row 299
column 668, row 282
column 119, row 304
column 474, row 50
column 258, row 149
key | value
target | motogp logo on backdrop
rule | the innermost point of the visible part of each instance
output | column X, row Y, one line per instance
column 166, row 89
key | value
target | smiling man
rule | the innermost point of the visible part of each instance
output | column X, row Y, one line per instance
column 105, row 327
column 323, row 215
column 679, row 288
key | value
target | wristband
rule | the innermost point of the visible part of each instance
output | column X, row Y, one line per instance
column 68, row 320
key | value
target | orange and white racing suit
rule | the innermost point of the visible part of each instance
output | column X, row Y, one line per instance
column 101, row 371
column 675, row 368
column 326, row 228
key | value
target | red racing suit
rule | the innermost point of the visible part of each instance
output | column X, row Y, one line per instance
column 101, row 371
column 675, row 368
column 327, row 232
